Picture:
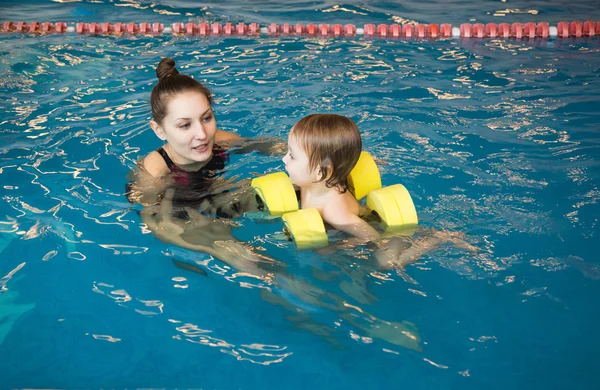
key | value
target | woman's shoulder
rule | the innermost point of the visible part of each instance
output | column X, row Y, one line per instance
column 155, row 164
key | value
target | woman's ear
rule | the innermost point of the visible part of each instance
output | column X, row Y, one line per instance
column 158, row 130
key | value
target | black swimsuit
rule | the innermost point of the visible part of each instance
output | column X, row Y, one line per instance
column 197, row 178
column 192, row 188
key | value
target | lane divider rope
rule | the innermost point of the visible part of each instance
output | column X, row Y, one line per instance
column 529, row 30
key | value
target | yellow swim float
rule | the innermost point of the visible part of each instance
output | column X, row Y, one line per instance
column 393, row 204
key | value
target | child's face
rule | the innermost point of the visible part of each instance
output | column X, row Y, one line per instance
column 189, row 128
column 296, row 164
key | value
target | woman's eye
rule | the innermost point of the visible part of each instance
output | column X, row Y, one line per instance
column 184, row 126
column 207, row 118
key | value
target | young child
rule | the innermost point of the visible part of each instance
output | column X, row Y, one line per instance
column 322, row 151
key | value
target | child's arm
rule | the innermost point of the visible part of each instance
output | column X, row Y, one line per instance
column 340, row 217
column 386, row 253
column 396, row 251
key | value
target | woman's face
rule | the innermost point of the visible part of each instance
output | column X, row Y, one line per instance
column 189, row 128
column 296, row 164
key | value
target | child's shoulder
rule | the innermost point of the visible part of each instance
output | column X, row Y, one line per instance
column 341, row 208
column 155, row 164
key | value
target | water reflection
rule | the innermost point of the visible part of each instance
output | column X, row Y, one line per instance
column 494, row 138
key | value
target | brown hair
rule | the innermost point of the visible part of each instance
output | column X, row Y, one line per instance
column 171, row 83
column 332, row 143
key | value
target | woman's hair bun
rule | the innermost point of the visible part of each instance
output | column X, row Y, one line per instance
column 166, row 68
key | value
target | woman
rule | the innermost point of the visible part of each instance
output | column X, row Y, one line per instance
column 181, row 180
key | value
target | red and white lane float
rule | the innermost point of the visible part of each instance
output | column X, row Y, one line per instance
column 529, row 30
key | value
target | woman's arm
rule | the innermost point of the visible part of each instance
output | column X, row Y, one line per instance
column 204, row 234
column 226, row 137
column 155, row 165
column 269, row 146
column 145, row 188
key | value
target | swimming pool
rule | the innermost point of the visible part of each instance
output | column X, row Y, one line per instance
column 494, row 138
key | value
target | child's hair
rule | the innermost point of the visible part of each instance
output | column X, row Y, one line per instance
column 170, row 83
column 332, row 143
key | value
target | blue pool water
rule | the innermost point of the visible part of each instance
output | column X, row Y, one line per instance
column 497, row 139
